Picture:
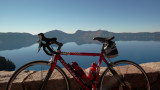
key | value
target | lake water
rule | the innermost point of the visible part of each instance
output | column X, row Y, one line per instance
column 136, row 51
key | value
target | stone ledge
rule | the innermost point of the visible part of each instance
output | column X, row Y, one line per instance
column 152, row 69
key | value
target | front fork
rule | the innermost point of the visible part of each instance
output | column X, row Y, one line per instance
column 49, row 73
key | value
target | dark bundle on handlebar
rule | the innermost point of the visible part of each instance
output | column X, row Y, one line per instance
column 46, row 42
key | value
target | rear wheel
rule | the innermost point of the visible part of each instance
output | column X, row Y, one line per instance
column 31, row 75
column 131, row 74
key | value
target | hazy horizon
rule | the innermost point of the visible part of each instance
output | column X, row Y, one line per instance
column 75, row 32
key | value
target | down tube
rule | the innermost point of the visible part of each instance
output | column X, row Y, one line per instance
column 72, row 73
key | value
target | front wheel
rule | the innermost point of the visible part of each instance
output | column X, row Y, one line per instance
column 30, row 77
column 131, row 74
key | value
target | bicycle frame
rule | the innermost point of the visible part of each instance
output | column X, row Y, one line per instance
column 58, row 57
column 119, row 77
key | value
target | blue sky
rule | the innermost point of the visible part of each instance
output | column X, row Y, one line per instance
column 35, row 16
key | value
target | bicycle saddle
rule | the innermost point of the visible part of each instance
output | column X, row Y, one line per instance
column 103, row 39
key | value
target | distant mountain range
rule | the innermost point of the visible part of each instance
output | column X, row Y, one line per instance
column 9, row 41
column 81, row 37
column 16, row 40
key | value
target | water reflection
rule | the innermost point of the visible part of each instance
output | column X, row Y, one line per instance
column 137, row 51
column 12, row 44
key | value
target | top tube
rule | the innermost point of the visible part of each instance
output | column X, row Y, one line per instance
column 81, row 54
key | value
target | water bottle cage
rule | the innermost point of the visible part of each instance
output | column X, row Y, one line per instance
column 93, row 73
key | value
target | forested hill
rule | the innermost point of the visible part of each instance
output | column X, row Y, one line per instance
column 16, row 40
column 16, row 37
column 7, row 65
column 10, row 41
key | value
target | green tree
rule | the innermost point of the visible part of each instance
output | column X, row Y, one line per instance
column 7, row 65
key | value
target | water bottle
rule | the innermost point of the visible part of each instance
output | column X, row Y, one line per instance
column 78, row 70
column 92, row 71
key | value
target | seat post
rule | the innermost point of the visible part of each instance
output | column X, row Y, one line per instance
column 102, row 49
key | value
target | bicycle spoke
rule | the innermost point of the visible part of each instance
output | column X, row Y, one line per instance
column 31, row 76
column 131, row 74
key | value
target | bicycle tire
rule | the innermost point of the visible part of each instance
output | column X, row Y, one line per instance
column 24, row 79
column 132, row 79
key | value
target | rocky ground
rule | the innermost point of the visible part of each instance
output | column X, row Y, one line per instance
column 152, row 69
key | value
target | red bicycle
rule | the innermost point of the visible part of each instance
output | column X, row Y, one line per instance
column 47, row 75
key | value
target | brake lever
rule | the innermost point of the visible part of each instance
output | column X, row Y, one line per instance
column 40, row 45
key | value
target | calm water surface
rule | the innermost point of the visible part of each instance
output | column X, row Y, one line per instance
column 137, row 51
